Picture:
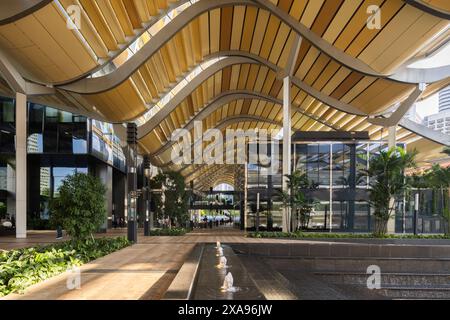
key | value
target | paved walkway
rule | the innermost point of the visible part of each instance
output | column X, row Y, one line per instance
column 146, row 269
column 222, row 234
column 142, row 271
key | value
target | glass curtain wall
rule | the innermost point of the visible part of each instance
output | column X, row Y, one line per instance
column 341, row 197
column 55, row 131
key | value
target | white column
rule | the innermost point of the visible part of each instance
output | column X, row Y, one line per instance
column 21, row 165
column 286, row 145
column 392, row 137
column 244, row 203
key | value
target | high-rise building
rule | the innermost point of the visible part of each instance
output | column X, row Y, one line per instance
column 444, row 99
column 441, row 121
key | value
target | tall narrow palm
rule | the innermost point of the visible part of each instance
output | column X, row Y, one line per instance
column 387, row 182
column 438, row 179
column 296, row 199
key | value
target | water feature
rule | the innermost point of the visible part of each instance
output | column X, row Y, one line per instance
column 222, row 263
column 228, row 283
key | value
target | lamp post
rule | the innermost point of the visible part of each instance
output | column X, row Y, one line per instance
column 416, row 210
column 146, row 196
column 132, row 181
column 257, row 212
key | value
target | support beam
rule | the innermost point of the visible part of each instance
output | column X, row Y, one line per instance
column 292, row 59
column 402, row 109
column 425, row 132
column 13, row 10
column 416, row 75
column 429, row 8
column 21, row 165
column 287, row 127
column 17, row 82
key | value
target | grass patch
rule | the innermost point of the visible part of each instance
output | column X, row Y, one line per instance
column 22, row 268
column 310, row 235
column 168, row 232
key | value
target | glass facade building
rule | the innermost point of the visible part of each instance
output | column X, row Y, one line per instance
column 341, row 199
column 59, row 144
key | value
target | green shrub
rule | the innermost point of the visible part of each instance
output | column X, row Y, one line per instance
column 2, row 210
column 22, row 268
column 80, row 207
column 304, row 235
column 168, row 232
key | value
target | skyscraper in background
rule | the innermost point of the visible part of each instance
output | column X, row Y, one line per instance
column 441, row 120
column 444, row 99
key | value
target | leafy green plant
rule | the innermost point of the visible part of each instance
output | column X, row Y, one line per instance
column 297, row 200
column 438, row 180
column 387, row 181
column 168, row 232
column 80, row 207
column 2, row 210
column 22, row 268
column 175, row 204
column 313, row 235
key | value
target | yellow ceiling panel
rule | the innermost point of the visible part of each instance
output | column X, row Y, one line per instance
column 214, row 26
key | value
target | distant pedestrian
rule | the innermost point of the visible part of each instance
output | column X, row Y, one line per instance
column 59, row 233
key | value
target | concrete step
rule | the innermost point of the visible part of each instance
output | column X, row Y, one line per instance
column 402, row 292
column 360, row 265
column 330, row 249
column 268, row 281
column 388, row 279
column 292, row 284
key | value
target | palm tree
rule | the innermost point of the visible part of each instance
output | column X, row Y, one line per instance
column 438, row 179
column 446, row 150
column 297, row 200
column 387, row 182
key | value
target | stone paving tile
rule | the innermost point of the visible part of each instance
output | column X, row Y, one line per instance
column 136, row 272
